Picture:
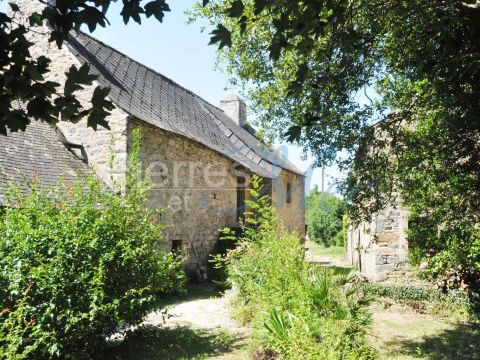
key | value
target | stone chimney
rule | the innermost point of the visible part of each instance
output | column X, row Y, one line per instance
column 234, row 107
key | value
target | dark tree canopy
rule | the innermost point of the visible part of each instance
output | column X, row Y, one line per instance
column 305, row 64
column 23, row 77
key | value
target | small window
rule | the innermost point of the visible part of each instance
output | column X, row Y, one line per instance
column 176, row 246
column 289, row 193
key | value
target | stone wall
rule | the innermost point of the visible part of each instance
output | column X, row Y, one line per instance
column 193, row 184
column 291, row 214
column 100, row 144
column 380, row 248
column 199, row 189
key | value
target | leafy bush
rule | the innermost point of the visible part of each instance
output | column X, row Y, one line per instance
column 298, row 311
column 455, row 303
column 401, row 292
column 444, row 231
column 216, row 269
column 77, row 261
column 324, row 213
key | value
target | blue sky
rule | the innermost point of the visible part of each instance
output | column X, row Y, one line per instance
column 181, row 52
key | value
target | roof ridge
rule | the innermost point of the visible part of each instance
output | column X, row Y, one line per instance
column 149, row 69
column 172, row 107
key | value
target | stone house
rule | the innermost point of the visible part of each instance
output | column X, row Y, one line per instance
column 379, row 248
column 198, row 156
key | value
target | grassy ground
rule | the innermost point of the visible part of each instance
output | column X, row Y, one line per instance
column 401, row 333
column 198, row 327
column 333, row 255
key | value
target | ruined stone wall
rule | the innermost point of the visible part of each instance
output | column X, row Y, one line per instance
column 292, row 214
column 100, row 144
column 194, row 185
column 391, row 249
column 380, row 248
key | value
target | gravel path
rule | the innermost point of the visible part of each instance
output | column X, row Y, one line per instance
column 197, row 327
column 202, row 313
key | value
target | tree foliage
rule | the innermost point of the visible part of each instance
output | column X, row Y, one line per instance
column 308, row 66
column 324, row 214
column 305, row 63
column 23, row 76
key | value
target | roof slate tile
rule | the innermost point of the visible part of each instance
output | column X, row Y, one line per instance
column 159, row 101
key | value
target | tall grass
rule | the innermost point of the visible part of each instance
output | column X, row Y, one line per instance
column 297, row 311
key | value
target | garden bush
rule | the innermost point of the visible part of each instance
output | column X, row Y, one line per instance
column 76, row 262
column 298, row 311
column 452, row 303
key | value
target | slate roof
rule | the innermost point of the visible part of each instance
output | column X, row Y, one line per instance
column 153, row 98
column 37, row 152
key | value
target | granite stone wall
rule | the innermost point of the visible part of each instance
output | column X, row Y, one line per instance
column 379, row 249
column 196, row 188
column 193, row 185
column 100, row 144
column 291, row 214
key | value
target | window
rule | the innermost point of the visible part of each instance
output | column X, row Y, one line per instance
column 176, row 245
column 289, row 193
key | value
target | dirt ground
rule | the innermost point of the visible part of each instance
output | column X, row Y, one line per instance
column 196, row 327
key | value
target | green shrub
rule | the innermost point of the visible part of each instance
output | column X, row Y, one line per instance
column 77, row 261
column 455, row 303
column 298, row 311
column 443, row 228
column 324, row 215
column 216, row 270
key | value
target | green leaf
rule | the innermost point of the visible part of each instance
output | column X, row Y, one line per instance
column 78, row 77
column 33, row 72
column 236, row 10
column 15, row 120
column 293, row 133
column 35, row 19
column 40, row 108
column 281, row 23
column 100, row 108
column 131, row 9
column 259, row 6
column 58, row 37
column 14, row 7
column 222, row 36
column 156, row 8
column 92, row 17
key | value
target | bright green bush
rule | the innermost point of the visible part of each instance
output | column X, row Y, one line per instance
column 77, row 261
column 324, row 215
column 298, row 311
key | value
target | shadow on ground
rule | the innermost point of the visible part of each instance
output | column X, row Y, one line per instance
column 462, row 342
column 155, row 343
column 204, row 290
